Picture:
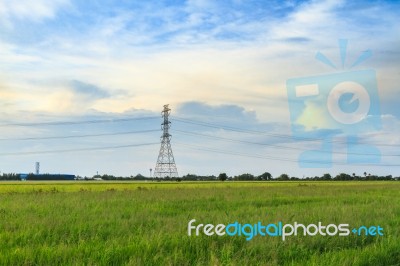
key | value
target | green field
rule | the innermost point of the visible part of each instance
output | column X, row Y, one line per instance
column 117, row 223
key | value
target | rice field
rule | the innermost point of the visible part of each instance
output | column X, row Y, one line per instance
column 146, row 223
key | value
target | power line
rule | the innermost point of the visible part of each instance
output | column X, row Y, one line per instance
column 270, row 145
column 62, row 123
column 77, row 150
column 248, row 131
column 82, row 136
column 241, row 130
column 202, row 148
column 206, row 124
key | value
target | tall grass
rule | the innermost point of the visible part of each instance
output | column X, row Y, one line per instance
column 146, row 224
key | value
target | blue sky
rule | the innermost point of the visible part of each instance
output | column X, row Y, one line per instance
column 221, row 62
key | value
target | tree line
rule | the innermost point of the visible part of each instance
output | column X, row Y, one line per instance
column 224, row 177
column 249, row 177
column 325, row 177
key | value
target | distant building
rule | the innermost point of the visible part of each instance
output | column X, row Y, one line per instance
column 48, row 177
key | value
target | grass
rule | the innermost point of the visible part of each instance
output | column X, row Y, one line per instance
column 145, row 223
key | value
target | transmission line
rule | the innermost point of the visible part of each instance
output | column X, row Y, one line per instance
column 259, row 156
column 240, row 130
column 77, row 150
column 62, row 123
column 82, row 136
column 270, row 145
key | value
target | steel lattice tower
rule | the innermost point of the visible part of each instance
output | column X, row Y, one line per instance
column 165, row 166
column 37, row 168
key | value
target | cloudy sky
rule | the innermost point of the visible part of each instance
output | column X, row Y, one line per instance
column 110, row 66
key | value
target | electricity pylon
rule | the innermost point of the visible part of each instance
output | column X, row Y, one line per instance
column 165, row 166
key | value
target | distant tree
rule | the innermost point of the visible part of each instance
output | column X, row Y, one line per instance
column 190, row 177
column 139, row 177
column 283, row 177
column 245, row 177
column 326, row 176
column 105, row 177
column 343, row 177
column 265, row 176
column 11, row 176
column 222, row 176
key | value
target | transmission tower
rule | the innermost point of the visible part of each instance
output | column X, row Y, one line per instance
column 165, row 166
column 37, row 168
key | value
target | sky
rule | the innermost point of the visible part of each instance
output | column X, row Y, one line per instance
column 82, row 84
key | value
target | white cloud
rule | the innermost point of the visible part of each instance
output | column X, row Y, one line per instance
column 29, row 10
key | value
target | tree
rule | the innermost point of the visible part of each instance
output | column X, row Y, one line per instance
column 283, row 177
column 343, row 177
column 245, row 177
column 222, row 176
column 265, row 176
column 139, row 177
column 326, row 176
